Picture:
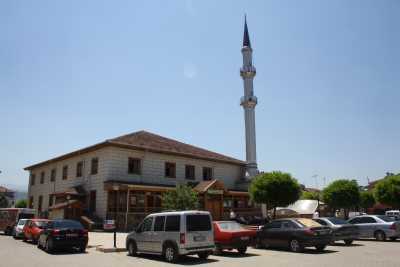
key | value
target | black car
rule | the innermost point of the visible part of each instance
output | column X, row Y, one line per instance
column 342, row 230
column 63, row 234
column 295, row 234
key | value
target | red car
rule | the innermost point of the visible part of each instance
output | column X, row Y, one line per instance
column 33, row 228
column 231, row 235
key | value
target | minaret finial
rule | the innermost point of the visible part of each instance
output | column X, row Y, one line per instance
column 246, row 38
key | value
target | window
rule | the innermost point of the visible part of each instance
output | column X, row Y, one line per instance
column 50, row 200
column 31, row 202
column 134, row 166
column 79, row 169
column 40, row 203
column 287, row 225
column 190, row 172
column 42, row 177
column 367, row 220
column 198, row 223
column 170, row 170
column 53, row 175
column 94, row 168
column 159, row 224
column 207, row 173
column 321, row 222
column 273, row 225
column 65, row 173
column 33, row 178
column 147, row 224
column 173, row 223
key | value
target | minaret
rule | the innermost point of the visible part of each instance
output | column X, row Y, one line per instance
column 249, row 102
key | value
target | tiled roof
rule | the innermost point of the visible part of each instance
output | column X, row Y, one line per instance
column 147, row 141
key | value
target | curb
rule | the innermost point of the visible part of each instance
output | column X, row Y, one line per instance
column 109, row 250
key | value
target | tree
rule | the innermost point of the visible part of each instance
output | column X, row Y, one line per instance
column 182, row 198
column 275, row 189
column 3, row 201
column 22, row 203
column 387, row 191
column 310, row 195
column 343, row 194
column 367, row 200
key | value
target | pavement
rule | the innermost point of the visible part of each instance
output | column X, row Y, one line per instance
column 105, row 240
column 16, row 253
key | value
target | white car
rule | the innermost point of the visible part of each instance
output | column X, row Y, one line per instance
column 172, row 234
column 18, row 231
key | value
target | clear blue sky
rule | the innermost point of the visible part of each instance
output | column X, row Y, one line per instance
column 74, row 73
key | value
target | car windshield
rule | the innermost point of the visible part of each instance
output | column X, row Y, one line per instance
column 386, row 218
column 198, row 222
column 307, row 222
column 337, row 220
column 230, row 226
column 67, row 224
column 21, row 222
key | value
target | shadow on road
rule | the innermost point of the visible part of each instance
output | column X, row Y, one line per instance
column 306, row 251
column 374, row 240
column 232, row 254
column 344, row 245
column 184, row 260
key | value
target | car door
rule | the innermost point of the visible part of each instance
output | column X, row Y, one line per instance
column 271, row 233
column 369, row 225
column 158, row 233
column 144, row 237
column 28, row 232
column 285, row 233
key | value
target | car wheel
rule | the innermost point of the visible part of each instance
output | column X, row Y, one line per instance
column 348, row 242
column 170, row 253
column 380, row 236
column 132, row 249
column 295, row 246
column 203, row 255
column 320, row 247
column 393, row 238
column 242, row 250
column 49, row 246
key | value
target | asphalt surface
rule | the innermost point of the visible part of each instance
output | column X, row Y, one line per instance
column 16, row 253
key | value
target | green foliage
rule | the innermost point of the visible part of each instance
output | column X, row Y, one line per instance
column 275, row 189
column 310, row 195
column 367, row 199
column 387, row 191
column 22, row 203
column 3, row 201
column 342, row 194
column 182, row 198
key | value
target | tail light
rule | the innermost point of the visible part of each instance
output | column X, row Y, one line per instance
column 310, row 232
column 55, row 232
column 393, row 226
column 182, row 238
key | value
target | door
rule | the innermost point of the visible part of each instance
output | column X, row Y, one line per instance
column 271, row 233
column 144, row 235
column 214, row 206
column 92, row 201
column 368, row 226
column 158, row 233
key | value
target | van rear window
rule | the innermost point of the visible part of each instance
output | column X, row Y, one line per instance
column 173, row 223
column 198, row 223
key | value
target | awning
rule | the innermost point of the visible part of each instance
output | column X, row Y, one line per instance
column 72, row 191
column 68, row 203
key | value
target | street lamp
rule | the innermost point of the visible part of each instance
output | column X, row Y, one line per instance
column 115, row 188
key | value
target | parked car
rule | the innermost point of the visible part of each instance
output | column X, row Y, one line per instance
column 18, row 231
column 379, row 227
column 231, row 235
column 341, row 229
column 33, row 228
column 395, row 214
column 172, row 234
column 9, row 217
column 63, row 234
column 295, row 234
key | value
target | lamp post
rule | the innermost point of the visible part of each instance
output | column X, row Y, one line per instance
column 115, row 188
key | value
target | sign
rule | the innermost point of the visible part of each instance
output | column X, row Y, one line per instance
column 215, row 192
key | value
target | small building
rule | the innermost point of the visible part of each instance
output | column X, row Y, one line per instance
column 9, row 195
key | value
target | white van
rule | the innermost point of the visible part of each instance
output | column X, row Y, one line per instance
column 172, row 234
column 393, row 213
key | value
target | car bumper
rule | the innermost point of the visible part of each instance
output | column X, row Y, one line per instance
column 345, row 237
column 69, row 243
column 392, row 233
column 317, row 241
column 194, row 250
column 234, row 244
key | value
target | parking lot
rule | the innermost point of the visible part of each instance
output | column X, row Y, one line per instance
column 362, row 253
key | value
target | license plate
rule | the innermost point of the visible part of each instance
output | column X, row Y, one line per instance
column 244, row 238
column 72, row 235
column 199, row 238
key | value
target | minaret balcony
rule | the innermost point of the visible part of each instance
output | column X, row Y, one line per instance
column 247, row 72
column 248, row 101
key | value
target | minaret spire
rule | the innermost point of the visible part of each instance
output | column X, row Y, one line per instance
column 246, row 38
column 249, row 102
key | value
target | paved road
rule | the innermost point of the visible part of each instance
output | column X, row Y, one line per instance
column 363, row 253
